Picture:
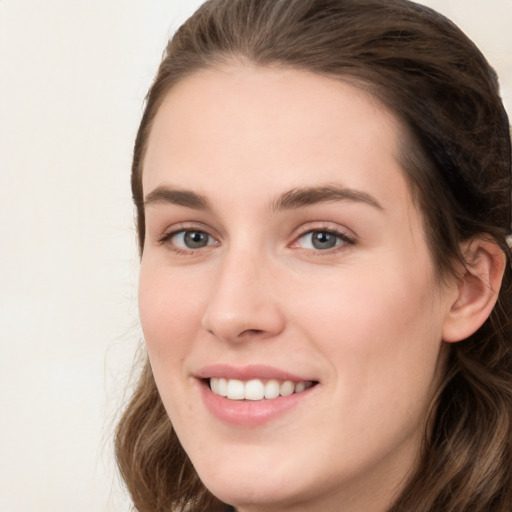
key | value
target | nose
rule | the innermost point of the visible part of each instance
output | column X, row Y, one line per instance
column 243, row 304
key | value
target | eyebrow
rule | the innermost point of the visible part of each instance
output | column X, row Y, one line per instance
column 307, row 196
column 293, row 199
column 179, row 197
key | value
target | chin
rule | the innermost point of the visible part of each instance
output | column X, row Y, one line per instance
column 251, row 486
column 264, row 496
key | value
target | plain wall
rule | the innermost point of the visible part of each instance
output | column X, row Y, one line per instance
column 73, row 75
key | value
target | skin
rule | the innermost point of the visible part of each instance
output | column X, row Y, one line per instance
column 364, row 319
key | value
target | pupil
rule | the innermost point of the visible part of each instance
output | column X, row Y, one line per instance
column 322, row 240
column 196, row 239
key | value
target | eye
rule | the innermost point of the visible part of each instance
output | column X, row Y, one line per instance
column 322, row 240
column 190, row 239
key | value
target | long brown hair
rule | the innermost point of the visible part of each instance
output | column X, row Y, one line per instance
column 457, row 158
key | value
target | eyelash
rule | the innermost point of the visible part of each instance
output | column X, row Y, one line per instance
column 167, row 238
column 340, row 235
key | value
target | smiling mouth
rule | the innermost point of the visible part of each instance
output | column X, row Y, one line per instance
column 256, row 389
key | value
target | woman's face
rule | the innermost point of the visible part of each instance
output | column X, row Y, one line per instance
column 284, row 254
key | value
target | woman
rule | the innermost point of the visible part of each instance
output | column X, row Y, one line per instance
column 323, row 204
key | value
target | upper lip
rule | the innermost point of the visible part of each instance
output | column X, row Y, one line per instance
column 254, row 371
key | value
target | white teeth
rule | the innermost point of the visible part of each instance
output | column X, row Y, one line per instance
column 272, row 389
column 219, row 386
column 256, row 389
column 287, row 388
column 300, row 386
column 236, row 389
column 214, row 385
column 223, row 387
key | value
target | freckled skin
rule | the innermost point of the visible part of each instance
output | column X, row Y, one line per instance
column 363, row 318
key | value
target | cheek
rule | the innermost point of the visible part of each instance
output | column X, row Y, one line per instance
column 380, row 330
column 169, row 312
column 170, row 318
column 363, row 309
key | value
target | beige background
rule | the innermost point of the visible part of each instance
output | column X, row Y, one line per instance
column 73, row 74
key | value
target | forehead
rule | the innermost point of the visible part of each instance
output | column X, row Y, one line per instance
column 256, row 128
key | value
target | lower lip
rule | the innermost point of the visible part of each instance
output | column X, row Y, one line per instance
column 250, row 413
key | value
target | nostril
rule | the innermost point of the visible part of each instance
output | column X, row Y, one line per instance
column 251, row 331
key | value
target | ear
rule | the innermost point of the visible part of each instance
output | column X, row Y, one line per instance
column 478, row 285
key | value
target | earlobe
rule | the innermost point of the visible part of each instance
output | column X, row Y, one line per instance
column 478, row 288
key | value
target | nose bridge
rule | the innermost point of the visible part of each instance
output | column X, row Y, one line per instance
column 243, row 301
